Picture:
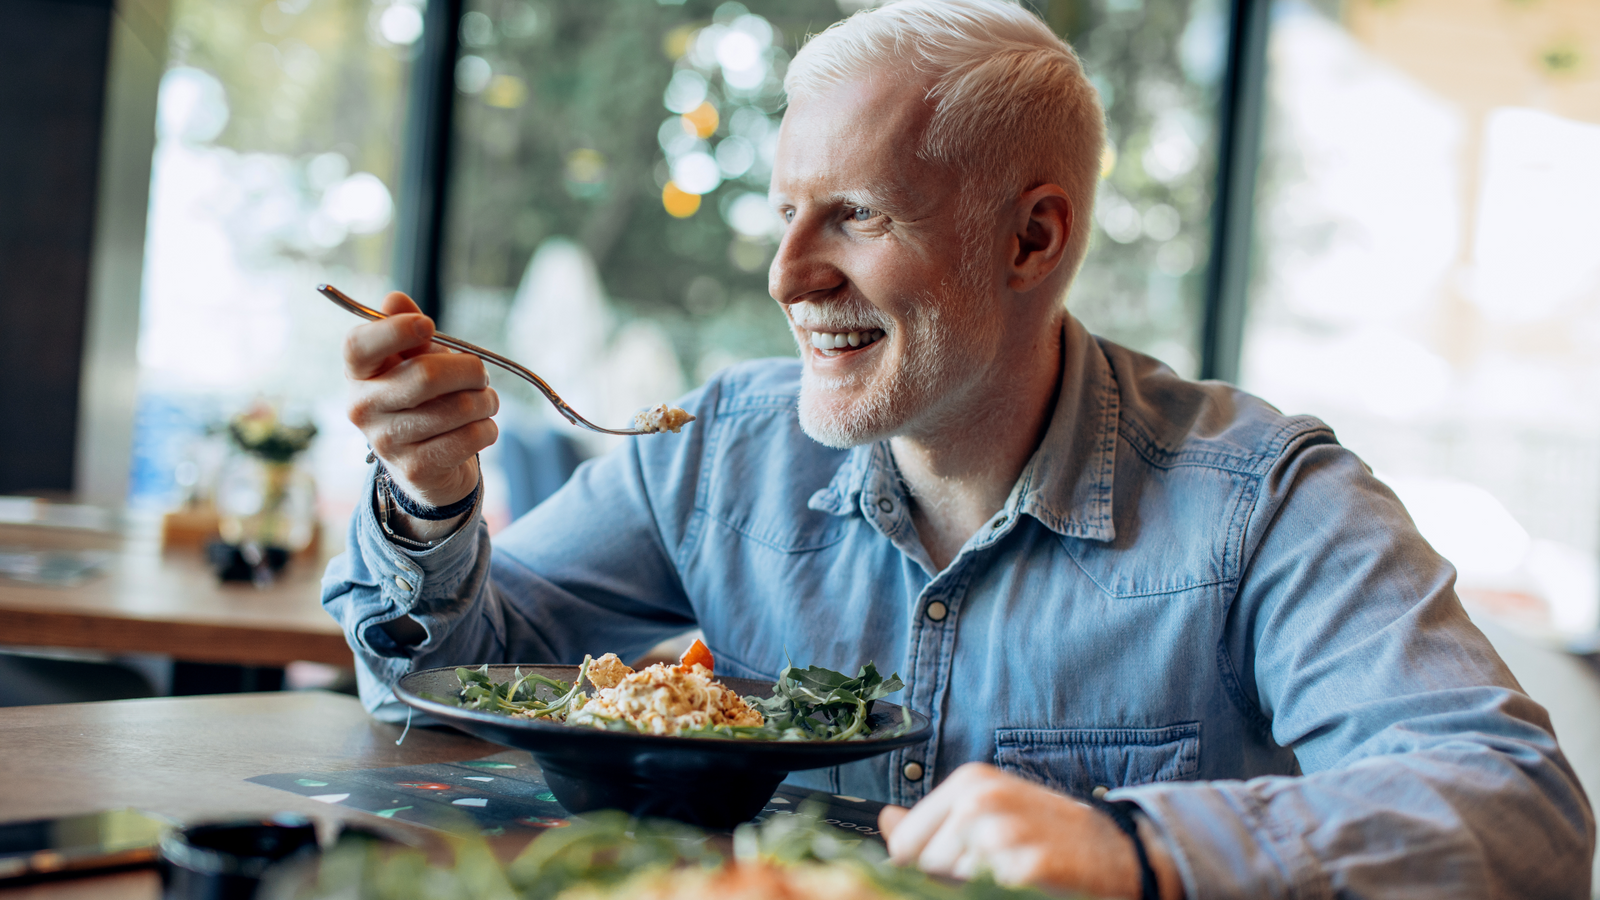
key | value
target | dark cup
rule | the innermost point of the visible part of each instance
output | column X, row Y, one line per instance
column 226, row 860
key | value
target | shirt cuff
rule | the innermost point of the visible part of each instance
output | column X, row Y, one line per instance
column 419, row 581
column 1224, row 843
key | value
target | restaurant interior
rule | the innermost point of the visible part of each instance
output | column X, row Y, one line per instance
column 1384, row 213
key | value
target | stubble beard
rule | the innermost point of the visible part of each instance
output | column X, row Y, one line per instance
column 848, row 411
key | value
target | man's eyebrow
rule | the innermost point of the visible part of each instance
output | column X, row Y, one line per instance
column 878, row 196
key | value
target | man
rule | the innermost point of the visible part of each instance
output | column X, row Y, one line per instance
column 1091, row 573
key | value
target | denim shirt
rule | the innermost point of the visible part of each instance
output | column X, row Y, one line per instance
column 1188, row 597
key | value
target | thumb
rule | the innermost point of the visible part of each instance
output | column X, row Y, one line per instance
column 397, row 304
column 889, row 819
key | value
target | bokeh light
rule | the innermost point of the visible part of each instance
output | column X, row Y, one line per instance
column 680, row 204
column 702, row 119
column 696, row 173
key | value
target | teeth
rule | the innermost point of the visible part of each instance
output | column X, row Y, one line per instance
column 834, row 340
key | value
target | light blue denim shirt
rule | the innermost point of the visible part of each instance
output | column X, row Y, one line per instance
column 1188, row 596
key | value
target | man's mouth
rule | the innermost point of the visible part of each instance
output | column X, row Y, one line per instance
column 834, row 343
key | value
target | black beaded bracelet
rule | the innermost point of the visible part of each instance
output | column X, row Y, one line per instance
column 1121, row 812
column 421, row 510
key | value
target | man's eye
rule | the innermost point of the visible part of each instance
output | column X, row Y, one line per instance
column 788, row 216
column 861, row 214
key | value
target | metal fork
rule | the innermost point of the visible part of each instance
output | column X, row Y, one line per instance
column 567, row 412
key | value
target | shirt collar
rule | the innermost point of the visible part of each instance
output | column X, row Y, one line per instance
column 1067, row 485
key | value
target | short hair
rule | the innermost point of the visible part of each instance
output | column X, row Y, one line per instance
column 1006, row 91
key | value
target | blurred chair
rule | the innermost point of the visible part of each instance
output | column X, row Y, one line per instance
column 27, row 679
column 537, row 461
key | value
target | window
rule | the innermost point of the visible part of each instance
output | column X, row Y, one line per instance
column 279, row 135
column 1426, row 275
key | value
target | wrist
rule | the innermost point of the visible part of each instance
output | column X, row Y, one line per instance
column 452, row 493
column 415, row 525
column 1168, row 878
column 1149, row 872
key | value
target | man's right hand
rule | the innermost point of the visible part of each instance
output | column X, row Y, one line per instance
column 423, row 408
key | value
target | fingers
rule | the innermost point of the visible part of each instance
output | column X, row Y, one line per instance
column 393, row 430
column 410, row 383
column 984, row 820
column 443, row 469
column 396, row 303
column 918, row 826
column 374, row 347
column 427, row 441
column 889, row 819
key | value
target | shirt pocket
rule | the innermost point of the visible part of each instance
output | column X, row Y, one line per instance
column 1077, row 760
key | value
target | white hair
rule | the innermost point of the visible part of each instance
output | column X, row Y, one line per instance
column 1012, row 106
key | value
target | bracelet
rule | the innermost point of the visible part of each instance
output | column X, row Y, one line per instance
column 385, row 498
column 422, row 510
column 1121, row 812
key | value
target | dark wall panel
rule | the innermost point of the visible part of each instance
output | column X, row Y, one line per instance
column 52, row 87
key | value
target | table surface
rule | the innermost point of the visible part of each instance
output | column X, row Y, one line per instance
column 168, row 602
column 187, row 758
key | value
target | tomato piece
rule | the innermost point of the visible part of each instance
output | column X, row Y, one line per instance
column 697, row 653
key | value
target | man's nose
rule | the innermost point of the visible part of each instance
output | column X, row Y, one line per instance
column 802, row 266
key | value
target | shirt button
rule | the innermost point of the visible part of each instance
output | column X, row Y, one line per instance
column 937, row 611
column 913, row 771
column 403, row 584
column 998, row 522
column 885, row 504
column 1100, row 791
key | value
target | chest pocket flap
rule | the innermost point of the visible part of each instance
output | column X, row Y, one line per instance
column 1077, row 760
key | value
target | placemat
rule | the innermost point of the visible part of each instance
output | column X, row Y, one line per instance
column 507, row 793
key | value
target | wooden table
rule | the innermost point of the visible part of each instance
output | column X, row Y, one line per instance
column 168, row 602
column 188, row 757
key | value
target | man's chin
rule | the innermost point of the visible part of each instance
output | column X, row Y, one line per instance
column 841, row 422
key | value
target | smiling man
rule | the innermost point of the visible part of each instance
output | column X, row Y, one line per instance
column 1172, row 641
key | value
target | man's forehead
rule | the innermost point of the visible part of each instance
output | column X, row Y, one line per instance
column 857, row 137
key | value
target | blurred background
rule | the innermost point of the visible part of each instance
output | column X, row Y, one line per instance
column 1413, row 212
column 1385, row 213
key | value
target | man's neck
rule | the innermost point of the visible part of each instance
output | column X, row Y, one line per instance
column 960, row 477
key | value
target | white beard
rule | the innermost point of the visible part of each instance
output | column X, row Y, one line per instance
column 883, row 404
column 938, row 359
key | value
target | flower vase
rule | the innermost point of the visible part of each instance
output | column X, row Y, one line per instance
column 266, row 512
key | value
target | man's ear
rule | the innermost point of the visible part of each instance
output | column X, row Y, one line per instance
column 1040, row 228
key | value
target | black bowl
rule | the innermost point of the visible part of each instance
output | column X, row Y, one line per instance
column 711, row 782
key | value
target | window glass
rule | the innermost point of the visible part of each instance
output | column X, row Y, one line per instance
column 1426, row 278
column 279, row 137
column 1157, row 64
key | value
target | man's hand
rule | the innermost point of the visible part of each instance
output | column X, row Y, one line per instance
column 982, row 819
column 424, row 409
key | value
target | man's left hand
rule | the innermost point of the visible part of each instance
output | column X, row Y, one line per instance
column 984, row 820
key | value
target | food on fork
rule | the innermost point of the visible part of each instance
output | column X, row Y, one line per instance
column 662, row 417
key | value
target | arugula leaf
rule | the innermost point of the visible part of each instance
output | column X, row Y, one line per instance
column 520, row 695
column 820, row 704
